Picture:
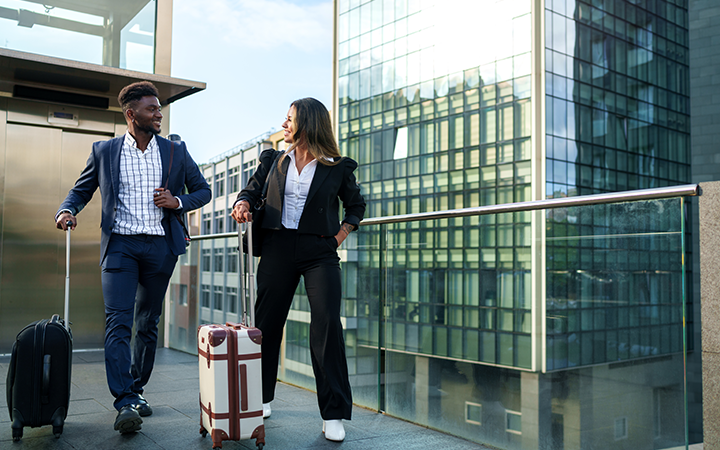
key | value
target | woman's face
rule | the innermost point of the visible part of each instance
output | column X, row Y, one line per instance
column 289, row 126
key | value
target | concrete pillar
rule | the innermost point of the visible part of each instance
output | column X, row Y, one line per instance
column 536, row 411
column 422, row 394
column 709, row 207
column 163, row 37
column 704, row 60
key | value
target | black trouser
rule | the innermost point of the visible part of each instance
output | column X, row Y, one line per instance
column 286, row 255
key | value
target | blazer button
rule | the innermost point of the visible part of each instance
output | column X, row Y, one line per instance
column 321, row 210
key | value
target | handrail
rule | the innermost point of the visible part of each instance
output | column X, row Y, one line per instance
column 203, row 237
column 685, row 190
column 595, row 199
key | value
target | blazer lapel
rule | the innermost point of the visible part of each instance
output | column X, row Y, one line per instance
column 281, row 178
column 115, row 150
column 321, row 172
column 165, row 151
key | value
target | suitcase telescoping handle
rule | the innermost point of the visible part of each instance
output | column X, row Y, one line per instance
column 66, row 312
column 248, row 317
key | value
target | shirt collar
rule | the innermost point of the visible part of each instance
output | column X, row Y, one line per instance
column 132, row 143
column 291, row 154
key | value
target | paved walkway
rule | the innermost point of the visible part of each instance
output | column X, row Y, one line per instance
column 173, row 394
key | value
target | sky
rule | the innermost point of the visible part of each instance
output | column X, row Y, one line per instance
column 256, row 57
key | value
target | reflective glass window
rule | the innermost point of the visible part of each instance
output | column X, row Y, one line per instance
column 115, row 34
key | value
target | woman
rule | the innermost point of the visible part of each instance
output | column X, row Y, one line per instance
column 301, row 234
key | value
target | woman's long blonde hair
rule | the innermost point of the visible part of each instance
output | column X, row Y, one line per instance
column 312, row 129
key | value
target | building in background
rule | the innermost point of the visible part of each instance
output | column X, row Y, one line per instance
column 62, row 65
column 527, row 340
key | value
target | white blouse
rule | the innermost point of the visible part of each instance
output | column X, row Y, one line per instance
column 297, row 186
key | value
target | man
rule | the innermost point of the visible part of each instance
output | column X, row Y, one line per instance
column 141, row 177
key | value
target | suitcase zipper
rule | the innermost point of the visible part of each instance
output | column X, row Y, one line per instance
column 38, row 350
column 233, row 383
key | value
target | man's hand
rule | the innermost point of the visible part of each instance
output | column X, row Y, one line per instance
column 241, row 212
column 63, row 219
column 164, row 199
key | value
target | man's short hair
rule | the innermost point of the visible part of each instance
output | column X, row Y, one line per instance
column 134, row 92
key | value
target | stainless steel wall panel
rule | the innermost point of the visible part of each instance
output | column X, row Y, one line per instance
column 27, row 112
column 120, row 129
column 29, row 281
column 87, row 312
column 36, row 113
column 3, row 123
column 38, row 166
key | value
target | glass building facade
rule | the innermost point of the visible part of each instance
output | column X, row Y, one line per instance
column 440, row 119
column 617, row 118
column 458, row 104
column 438, row 123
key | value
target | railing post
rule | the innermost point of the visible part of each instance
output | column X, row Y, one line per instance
column 382, row 301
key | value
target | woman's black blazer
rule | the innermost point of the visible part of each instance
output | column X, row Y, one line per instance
column 321, row 213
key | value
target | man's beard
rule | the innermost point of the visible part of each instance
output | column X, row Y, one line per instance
column 148, row 129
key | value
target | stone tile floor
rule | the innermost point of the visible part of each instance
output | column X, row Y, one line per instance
column 173, row 394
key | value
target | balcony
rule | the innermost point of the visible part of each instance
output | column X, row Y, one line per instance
column 552, row 324
column 173, row 393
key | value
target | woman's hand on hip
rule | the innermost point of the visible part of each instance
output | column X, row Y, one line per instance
column 345, row 230
column 241, row 212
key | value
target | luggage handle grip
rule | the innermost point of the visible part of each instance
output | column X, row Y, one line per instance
column 46, row 378
column 234, row 325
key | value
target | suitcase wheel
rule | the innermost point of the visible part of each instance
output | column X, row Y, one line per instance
column 17, row 434
column 203, row 432
column 58, row 420
column 260, row 446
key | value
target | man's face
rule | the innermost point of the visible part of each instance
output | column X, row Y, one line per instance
column 147, row 115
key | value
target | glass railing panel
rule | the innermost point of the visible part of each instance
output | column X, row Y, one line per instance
column 362, row 270
column 458, row 330
column 564, row 333
column 615, row 318
column 458, row 327
column 203, row 289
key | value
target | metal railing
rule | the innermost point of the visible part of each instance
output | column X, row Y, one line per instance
column 565, row 202
column 685, row 190
column 623, row 304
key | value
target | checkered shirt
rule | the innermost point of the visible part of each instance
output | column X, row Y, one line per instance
column 140, row 174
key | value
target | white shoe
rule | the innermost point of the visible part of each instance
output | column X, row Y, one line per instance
column 266, row 410
column 334, row 430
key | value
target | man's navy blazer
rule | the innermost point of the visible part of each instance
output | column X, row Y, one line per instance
column 103, row 171
column 321, row 214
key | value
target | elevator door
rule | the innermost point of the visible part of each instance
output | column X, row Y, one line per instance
column 41, row 165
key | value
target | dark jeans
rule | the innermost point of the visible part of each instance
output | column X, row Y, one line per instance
column 135, row 276
column 286, row 256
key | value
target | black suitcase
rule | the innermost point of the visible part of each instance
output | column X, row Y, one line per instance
column 38, row 380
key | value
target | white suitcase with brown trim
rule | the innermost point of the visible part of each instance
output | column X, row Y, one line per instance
column 230, row 374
